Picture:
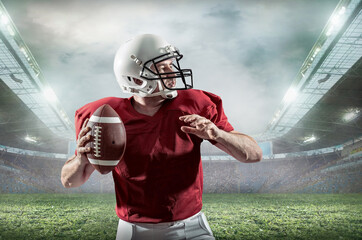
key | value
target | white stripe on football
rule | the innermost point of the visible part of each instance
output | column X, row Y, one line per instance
column 103, row 162
column 105, row 119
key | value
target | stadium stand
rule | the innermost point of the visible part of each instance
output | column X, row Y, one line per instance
column 334, row 172
column 34, row 174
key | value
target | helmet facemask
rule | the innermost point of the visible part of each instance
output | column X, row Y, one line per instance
column 176, row 79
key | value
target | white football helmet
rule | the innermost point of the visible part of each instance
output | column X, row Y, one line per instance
column 139, row 66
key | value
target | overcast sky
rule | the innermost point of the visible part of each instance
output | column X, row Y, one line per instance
column 247, row 52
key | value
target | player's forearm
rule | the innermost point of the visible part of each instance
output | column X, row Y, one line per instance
column 75, row 172
column 240, row 146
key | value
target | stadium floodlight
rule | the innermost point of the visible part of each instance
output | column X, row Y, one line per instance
column 24, row 51
column 4, row 19
column 316, row 51
column 310, row 139
column 30, row 139
column 342, row 11
column 291, row 95
column 336, row 21
column 351, row 115
column 49, row 94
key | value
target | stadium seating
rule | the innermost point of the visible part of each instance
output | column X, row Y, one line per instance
column 326, row 173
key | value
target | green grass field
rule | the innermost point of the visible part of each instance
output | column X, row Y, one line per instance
column 231, row 216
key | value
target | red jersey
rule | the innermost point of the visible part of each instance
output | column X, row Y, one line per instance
column 160, row 176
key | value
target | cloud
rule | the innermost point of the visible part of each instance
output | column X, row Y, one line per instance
column 228, row 14
column 248, row 52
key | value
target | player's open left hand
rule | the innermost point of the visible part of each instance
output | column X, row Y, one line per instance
column 200, row 126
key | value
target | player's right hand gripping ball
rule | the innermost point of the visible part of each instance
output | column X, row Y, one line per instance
column 108, row 139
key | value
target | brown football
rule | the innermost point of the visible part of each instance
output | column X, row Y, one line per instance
column 108, row 139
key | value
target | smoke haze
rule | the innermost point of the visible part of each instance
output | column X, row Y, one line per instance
column 247, row 52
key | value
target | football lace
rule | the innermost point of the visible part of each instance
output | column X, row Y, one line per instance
column 97, row 140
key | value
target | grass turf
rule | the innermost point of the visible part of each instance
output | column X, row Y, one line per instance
column 231, row 216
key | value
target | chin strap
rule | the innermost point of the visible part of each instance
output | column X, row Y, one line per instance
column 167, row 94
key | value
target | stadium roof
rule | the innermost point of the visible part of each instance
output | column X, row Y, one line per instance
column 322, row 107
column 31, row 117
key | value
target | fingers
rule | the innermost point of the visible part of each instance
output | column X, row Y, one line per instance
column 195, row 120
column 191, row 118
column 199, row 126
column 189, row 130
column 83, row 149
column 205, row 132
column 83, row 138
column 84, row 129
column 188, row 118
column 85, row 122
column 200, row 123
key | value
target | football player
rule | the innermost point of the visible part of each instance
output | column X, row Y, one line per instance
column 159, row 181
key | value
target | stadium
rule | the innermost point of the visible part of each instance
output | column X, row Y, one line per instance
column 307, row 186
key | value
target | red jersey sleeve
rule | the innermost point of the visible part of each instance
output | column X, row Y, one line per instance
column 217, row 115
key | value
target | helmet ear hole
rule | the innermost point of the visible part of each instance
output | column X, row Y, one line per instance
column 138, row 81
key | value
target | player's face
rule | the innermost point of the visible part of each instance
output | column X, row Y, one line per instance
column 166, row 67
